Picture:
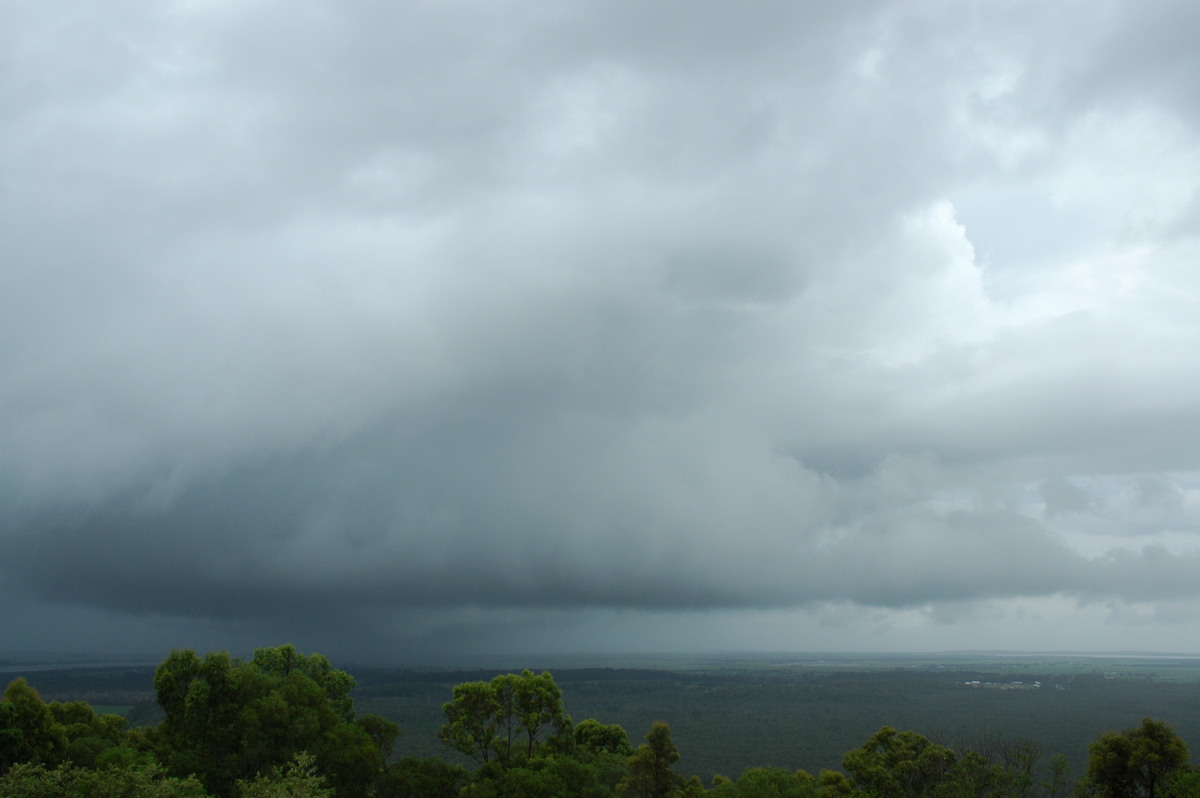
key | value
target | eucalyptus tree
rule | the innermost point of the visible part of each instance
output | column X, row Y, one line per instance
column 229, row 720
column 507, row 720
column 1137, row 763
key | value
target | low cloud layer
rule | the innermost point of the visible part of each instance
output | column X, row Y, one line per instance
column 406, row 329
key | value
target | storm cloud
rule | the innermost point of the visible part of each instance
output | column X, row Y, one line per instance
column 400, row 329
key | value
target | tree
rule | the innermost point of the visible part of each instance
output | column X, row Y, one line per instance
column 547, row 776
column 89, row 735
column 1136, row 763
column 71, row 781
column 28, row 730
column 764, row 782
column 283, row 661
column 650, row 773
column 505, row 720
column 899, row 765
column 299, row 779
column 381, row 731
column 833, row 784
column 1183, row 783
column 228, row 721
column 413, row 777
column 1057, row 783
column 595, row 737
column 537, row 703
column 471, row 719
column 604, row 748
column 350, row 759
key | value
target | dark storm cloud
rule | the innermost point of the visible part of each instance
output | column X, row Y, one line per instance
column 324, row 534
column 464, row 315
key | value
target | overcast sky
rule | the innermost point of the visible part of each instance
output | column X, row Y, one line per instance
column 402, row 331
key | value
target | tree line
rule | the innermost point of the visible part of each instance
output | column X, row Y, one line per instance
column 282, row 723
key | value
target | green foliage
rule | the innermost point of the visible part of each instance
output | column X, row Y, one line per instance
column 899, row 765
column 282, row 724
column 229, row 721
column 471, row 721
column 1137, row 762
column 350, row 759
column 763, row 782
column 516, row 727
column 71, row 781
column 833, row 784
column 284, row 661
column 605, row 748
column 1183, row 784
column 507, row 719
column 28, row 730
column 797, row 715
column 593, row 736
column 298, row 779
column 1058, row 783
column 537, row 704
column 650, row 766
column 381, row 731
column 413, row 777
column 126, row 755
column 906, row 765
column 89, row 736
column 548, row 776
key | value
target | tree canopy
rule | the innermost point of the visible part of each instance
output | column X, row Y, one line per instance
column 507, row 719
column 229, row 720
column 282, row 723
column 1135, row 763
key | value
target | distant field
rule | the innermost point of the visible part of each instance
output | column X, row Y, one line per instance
column 728, row 714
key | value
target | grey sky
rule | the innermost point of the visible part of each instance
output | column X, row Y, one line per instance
column 406, row 330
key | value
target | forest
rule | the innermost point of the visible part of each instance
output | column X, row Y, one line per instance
column 282, row 723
